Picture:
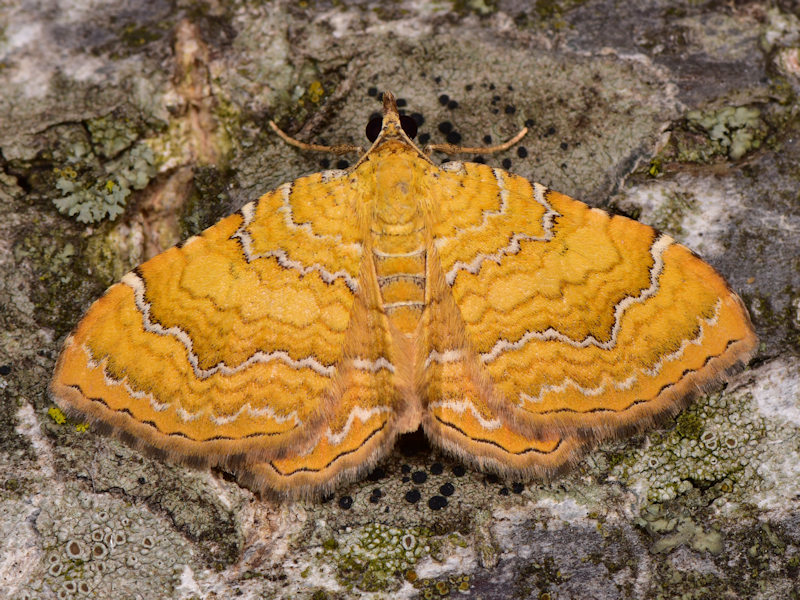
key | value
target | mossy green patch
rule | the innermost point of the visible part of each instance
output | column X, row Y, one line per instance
column 136, row 35
column 442, row 587
column 208, row 202
column 375, row 557
column 540, row 574
column 690, row 425
column 478, row 7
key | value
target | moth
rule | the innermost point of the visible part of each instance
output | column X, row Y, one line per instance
column 293, row 341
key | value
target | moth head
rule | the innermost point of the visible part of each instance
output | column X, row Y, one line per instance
column 392, row 125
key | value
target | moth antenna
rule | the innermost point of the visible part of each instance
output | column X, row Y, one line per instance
column 338, row 149
column 452, row 149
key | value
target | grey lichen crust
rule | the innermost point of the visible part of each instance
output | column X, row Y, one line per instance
column 98, row 546
column 683, row 116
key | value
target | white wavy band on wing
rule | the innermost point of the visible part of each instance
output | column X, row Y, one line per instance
column 656, row 251
column 447, row 356
column 133, row 281
column 373, row 366
column 360, row 413
column 461, row 406
column 185, row 415
column 248, row 213
column 514, row 244
column 697, row 341
column 628, row 383
column 92, row 364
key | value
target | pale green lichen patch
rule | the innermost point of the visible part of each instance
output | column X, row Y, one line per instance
column 376, row 557
column 91, row 197
column 714, row 134
column 111, row 135
column 733, row 131
column 95, row 546
column 450, row 585
column 711, row 446
column 672, row 531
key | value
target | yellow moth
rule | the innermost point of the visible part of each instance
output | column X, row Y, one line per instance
column 293, row 341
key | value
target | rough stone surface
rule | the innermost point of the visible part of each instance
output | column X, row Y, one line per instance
column 125, row 127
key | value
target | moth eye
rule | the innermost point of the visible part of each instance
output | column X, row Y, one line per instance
column 374, row 128
column 409, row 125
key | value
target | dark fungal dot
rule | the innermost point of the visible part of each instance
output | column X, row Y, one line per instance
column 510, row 109
column 459, row 471
column 479, row 159
column 405, row 469
column 487, row 139
column 342, row 164
column 491, row 86
column 373, row 91
column 5, row 369
column 373, row 128
column 345, row 502
column 377, row 474
column 380, row 97
column 325, row 163
column 375, row 496
column 326, row 499
column 141, row 480
column 503, row 491
column 529, row 122
column 468, row 87
column 564, row 145
column 437, row 79
column 419, row 477
column 522, row 152
column 412, row 496
column 517, row 487
column 506, row 163
column 453, row 137
column 409, row 126
column 444, row 99
column 452, row 104
column 405, row 479
column 564, row 166
column 437, row 468
column 424, row 138
column 445, row 127
column 495, row 99
column 401, row 102
column 418, row 118
column 495, row 111
column 510, row 88
column 437, row 502
column 447, row 489
column 492, row 478
column 551, row 130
